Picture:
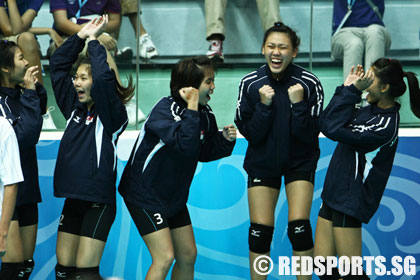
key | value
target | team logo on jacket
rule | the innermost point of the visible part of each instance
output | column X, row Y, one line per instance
column 89, row 119
column 202, row 135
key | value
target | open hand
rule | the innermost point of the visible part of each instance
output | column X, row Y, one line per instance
column 94, row 28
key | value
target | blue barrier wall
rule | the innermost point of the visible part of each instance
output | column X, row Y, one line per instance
column 219, row 214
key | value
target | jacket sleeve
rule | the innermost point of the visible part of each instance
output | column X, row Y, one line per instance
column 216, row 146
column 253, row 119
column 29, row 124
column 179, row 132
column 42, row 95
column 109, row 106
column 60, row 67
column 336, row 123
column 305, row 114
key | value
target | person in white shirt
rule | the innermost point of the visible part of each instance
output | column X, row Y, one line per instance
column 10, row 175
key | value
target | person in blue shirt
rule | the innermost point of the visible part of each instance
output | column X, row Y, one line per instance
column 362, row 161
column 359, row 33
column 86, row 168
column 180, row 131
column 16, row 17
column 277, row 112
column 22, row 102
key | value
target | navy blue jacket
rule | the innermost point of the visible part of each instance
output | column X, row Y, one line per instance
column 362, row 161
column 282, row 136
column 161, row 166
column 87, row 157
column 24, row 109
column 362, row 14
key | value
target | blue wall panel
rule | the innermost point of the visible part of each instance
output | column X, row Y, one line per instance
column 219, row 214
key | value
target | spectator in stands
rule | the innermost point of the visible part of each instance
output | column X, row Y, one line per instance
column 215, row 22
column 69, row 19
column 147, row 48
column 359, row 32
column 16, row 17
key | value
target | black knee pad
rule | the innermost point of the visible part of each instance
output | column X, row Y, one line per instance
column 12, row 271
column 64, row 272
column 88, row 273
column 334, row 275
column 300, row 235
column 259, row 238
column 29, row 267
column 356, row 277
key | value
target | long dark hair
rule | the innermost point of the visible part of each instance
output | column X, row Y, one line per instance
column 281, row 27
column 189, row 72
column 124, row 93
column 390, row 71
column 7, row 55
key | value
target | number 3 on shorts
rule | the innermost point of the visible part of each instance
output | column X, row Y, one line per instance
column 159, row 219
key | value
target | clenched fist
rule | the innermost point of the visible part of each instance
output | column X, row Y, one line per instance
column 266, row 95
column 295, row 93
column 229, row 132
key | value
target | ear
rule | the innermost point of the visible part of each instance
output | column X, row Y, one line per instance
column 295, row 52
column 385, row 88
column 262, row 50
column 5, row 70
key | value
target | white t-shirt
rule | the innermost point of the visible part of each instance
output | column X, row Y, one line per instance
column 10, row 170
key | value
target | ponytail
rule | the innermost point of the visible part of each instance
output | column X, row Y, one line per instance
column 413, row 87
column 390, row 71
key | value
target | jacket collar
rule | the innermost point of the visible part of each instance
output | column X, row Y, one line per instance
column 376, row 110
column 287, row 73
column 13, row 93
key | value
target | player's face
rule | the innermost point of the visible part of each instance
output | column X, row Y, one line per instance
column 20, row 67
column 83, row 83
column 279, row 53
column 375, row 90
column 206, row 88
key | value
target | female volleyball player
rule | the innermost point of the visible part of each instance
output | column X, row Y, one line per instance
column 277, row 112
column 362, row 161
column 180, row 131
column 85, row 172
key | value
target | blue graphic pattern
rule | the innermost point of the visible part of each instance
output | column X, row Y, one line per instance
column 219, row 214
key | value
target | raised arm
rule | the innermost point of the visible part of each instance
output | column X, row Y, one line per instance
column 60, row 67
column 254, row 116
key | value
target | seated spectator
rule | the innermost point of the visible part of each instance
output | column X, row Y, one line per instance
column 147, row 49
column 215, row 22
column 359, row 33
column 69, row 19
column 16, row 17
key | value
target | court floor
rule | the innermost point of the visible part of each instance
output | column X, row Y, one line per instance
column 154, row 84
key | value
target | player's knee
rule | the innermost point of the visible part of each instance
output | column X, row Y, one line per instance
column 260, row 237
column 300, row 235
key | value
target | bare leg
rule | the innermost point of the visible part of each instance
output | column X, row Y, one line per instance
column 30, row 50
column 14, row 249
column 67, row 246
column 160, row 247
column 89, row 252
column 185, row 253
column 299, row 199
column 262, row 203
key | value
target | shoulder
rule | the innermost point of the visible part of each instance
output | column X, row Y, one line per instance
column 256, row 77
column 5, row 128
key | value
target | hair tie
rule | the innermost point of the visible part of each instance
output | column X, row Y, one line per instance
column 5, row 41
column 278, row 24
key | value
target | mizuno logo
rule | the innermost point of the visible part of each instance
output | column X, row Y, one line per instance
column 300, row 229
column 61, row 274
column 255, row 232
column 95, row 205
column 256, row 180
column 76, row 119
